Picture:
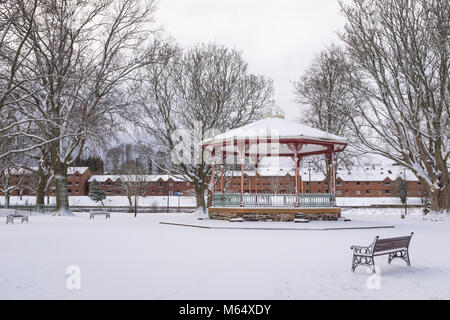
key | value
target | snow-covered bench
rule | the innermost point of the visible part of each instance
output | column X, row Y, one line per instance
column 394, row 247
column 11, row 217
column 93, row 212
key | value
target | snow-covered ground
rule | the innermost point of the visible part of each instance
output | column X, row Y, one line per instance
column 189, row 201
column 113, row 201
column 127, row 257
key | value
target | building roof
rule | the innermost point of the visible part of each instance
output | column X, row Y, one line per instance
column 354, row 174
column 147, row 178
column 72, row 170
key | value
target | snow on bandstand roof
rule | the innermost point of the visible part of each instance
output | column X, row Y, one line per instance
column 277, row 129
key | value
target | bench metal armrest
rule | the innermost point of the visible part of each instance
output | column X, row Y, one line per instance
column 362, row 250
column 368, row 250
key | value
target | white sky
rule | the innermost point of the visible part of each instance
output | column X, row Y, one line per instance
column 278, row 38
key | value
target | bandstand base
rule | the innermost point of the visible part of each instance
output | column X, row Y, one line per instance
column 274, row 214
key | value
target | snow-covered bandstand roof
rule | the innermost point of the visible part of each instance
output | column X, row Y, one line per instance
column 275, row 136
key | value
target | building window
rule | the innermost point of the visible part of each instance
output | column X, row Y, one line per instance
column 339, row 183
column 387, row 191
column 419, row 192
column 387, row 183
column 76, row 191
column 338, row 192
column 367, row 191
column 358, row 183
column 160, row 184
column 367, row 183
column 358, row 191
column 379, row 191
column 69, row 183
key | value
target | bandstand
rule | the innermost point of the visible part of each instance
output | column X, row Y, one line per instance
column 273, row 137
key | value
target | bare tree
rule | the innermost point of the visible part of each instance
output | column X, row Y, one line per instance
column 133, row 181
column 84, row 55
column 13, row 49
column 197, row 92
column 400, row 51
column 11, row 173
column 326, row 102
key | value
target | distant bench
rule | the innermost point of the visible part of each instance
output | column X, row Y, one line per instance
column 93, row 212
column 11, row 217
column 394, row 247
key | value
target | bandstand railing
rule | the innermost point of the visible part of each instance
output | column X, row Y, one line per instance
column 274, row 200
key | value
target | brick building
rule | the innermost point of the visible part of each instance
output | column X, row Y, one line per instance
column 357, row 182
column 154, row 185
column 26, row 182
column 77, row 181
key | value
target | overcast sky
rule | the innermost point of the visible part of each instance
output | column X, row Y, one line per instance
column 278, row 38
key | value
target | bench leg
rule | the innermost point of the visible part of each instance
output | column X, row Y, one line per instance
column 363, row 261
column 404, row 255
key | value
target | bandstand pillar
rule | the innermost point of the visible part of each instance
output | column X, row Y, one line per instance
column 297, row 160
column 212, row 176
column 332, row 180
column 256, row 181
column 333, row 177
column 242, row 181
column 221, row 178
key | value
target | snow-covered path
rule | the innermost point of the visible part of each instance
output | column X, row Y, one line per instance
column 138, row 258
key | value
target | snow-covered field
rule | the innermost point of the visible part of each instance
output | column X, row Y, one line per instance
column 113, row 201
column 189, row 201
column 139, row 258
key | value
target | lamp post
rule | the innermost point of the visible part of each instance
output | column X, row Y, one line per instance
column 168, row 194
column 309, row 169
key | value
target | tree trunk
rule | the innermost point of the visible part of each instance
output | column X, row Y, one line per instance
column 7, row 197
column 210, row 198
column 200, row 196
column 130, row 202
column 440, row 199
column 40, row 192
column 62, row 196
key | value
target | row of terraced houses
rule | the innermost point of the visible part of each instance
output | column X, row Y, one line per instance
column 357, row 182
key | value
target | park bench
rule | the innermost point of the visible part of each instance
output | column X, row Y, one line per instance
column 93, row 212
column 11, row 217
column 394, row 247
